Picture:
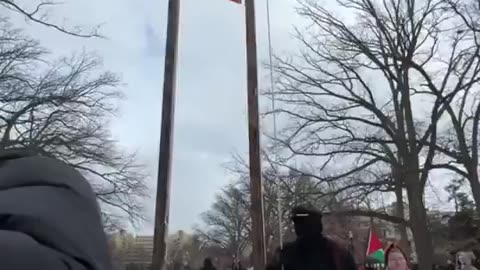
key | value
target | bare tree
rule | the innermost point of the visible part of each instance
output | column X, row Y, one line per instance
column 293, row 187
column 183, row 248
column 370, row 92
column 290, row 188
column 62, row 109
column 40, row 14
column 227, row 222
column 458, row 141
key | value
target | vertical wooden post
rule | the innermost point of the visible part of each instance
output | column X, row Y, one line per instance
column 256, row 187
column 166, row 139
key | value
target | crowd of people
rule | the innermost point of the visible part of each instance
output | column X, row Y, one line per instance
column 312, row 250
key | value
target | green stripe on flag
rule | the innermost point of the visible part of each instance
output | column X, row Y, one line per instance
column 378, row 255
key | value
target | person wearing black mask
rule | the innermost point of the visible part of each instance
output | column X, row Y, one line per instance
column 208, row 264
column 311, row 250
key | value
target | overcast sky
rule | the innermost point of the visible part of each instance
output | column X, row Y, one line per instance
column 211, row 110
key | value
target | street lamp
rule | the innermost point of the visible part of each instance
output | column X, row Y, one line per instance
column 278, row 192
column 280, row 220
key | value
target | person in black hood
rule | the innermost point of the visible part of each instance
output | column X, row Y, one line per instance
column 311, row 250
column 49, row 217
column 208, row 265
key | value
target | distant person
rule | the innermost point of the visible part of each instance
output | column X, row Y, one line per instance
column 49, row 217
column 208, row 264
column 450, row 265
column 186, row 266
column 395, row 258
column 311, row 250
column 236, row 265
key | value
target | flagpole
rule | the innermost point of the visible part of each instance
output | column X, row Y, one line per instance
column 256, row 188
column 369, row 240
column 162, row 203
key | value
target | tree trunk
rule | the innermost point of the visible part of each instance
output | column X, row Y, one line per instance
column 421, row 234
column 476, row 193
column 400, row 212
column 475, row 186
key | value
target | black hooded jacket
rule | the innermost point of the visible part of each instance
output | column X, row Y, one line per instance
column 49, row 218
column 208, row 265
column 311, row 250
column 312, row 253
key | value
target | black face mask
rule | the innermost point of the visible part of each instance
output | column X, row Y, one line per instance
column 307, row 227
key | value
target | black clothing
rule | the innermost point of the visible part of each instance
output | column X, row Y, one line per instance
column 316, row 253
column 208, row 265
column 237, row 266
column 311, row 250
column 307, row 221
column 209, row 268
column 49, row 217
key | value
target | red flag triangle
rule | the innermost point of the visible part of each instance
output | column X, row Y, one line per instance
column 373, row 243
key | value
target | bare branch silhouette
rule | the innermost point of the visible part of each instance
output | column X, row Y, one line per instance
column 40, row 15
column 62, row 109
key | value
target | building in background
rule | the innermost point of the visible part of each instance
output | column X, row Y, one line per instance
column 130, row 249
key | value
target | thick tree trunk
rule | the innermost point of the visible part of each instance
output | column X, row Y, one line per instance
column 476, row 193
column 474, row 185
column 400, row 212
column 421, row 234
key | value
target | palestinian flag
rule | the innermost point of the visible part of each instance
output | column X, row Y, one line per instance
column 375, row 249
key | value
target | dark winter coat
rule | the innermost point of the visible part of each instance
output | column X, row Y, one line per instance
column 208, row 265
column 49, row 218
column 312, row 253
